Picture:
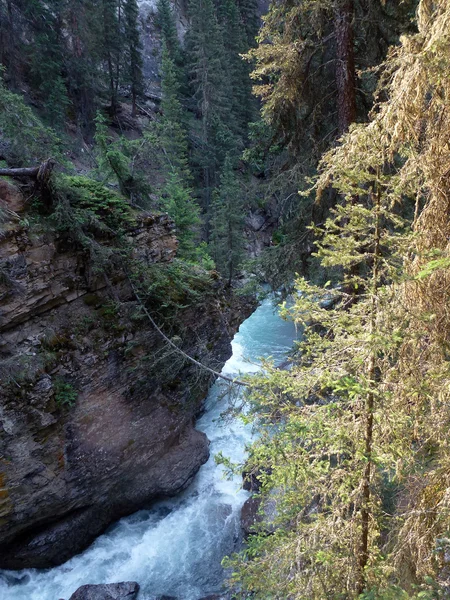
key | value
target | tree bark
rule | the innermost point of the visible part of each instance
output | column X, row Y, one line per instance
column 40, row 173
column 345, row 64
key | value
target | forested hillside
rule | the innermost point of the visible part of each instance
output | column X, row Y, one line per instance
column 159, row 162
column 169, row 139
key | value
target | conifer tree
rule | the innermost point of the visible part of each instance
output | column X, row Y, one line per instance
column 172, row 128
column 177, row 194
column 83, row 56
column 46, row 57
column 111, row 44
column 8, row 40
column 133, row 55
column 178, row 202
column 250, row 19
column 326, row 424
column 227, row 223
column 166, row 22
column 239, row 83
column 206, row 58
column 354, row 455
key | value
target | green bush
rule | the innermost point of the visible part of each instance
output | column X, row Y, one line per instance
column 92, row 201
column 65, row 393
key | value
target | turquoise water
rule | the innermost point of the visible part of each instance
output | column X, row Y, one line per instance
column 176, row 547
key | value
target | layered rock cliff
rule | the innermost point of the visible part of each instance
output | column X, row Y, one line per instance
column 96, row 414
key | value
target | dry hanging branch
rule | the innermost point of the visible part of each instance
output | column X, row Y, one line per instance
column 177, row 349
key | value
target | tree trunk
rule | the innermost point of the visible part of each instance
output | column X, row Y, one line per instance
column 41, row 173
column 366, row 509
column 345, row 64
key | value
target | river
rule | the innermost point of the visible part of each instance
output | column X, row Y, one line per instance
column 176, row 547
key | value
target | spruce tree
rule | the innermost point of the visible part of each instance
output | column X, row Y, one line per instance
column 177, row 200
column 166, row 22
column 111, row 44
column 177, row 194
column 45, row 55
column 328, row 446
column 239, row 86
column 250, row 18
column 354, row 455
column 206, row 59
column 8, row 40
column 172, row 128
column 133, row 56
column 227, row 223
column 83, row 56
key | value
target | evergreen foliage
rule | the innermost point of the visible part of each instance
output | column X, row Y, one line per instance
column 133, row 56
column 178, row 202
column 207, row 67
column 46, row 58
column 166, row 22
column 353, row 454
column 172, row 130
column 227, row 223
column 119, row 157
column 26, row 139
column 315, row 73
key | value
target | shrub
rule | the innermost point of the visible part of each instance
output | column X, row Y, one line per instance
column 65, row 393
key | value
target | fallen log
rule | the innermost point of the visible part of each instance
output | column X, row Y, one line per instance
column 28, row 172
column 40, row 173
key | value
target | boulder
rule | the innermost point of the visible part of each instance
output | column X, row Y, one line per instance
column 250, row 514
column 112, row 591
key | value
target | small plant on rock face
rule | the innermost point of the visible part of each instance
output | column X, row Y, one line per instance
column 65, row 393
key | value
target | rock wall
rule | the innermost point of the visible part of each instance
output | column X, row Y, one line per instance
column 96, row 415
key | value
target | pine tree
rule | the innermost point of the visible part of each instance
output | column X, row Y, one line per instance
column 227, row 223
column 166, row 22
column 45, row 56
column 206, row 58
column 177, row 200
column 172, row 128
column 133, row 55
column 111, row 44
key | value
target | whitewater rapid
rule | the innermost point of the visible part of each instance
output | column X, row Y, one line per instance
column 176, row 547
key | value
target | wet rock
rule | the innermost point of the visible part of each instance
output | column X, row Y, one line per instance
column 254, row 512
column 250, row 515
column 112, row 591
